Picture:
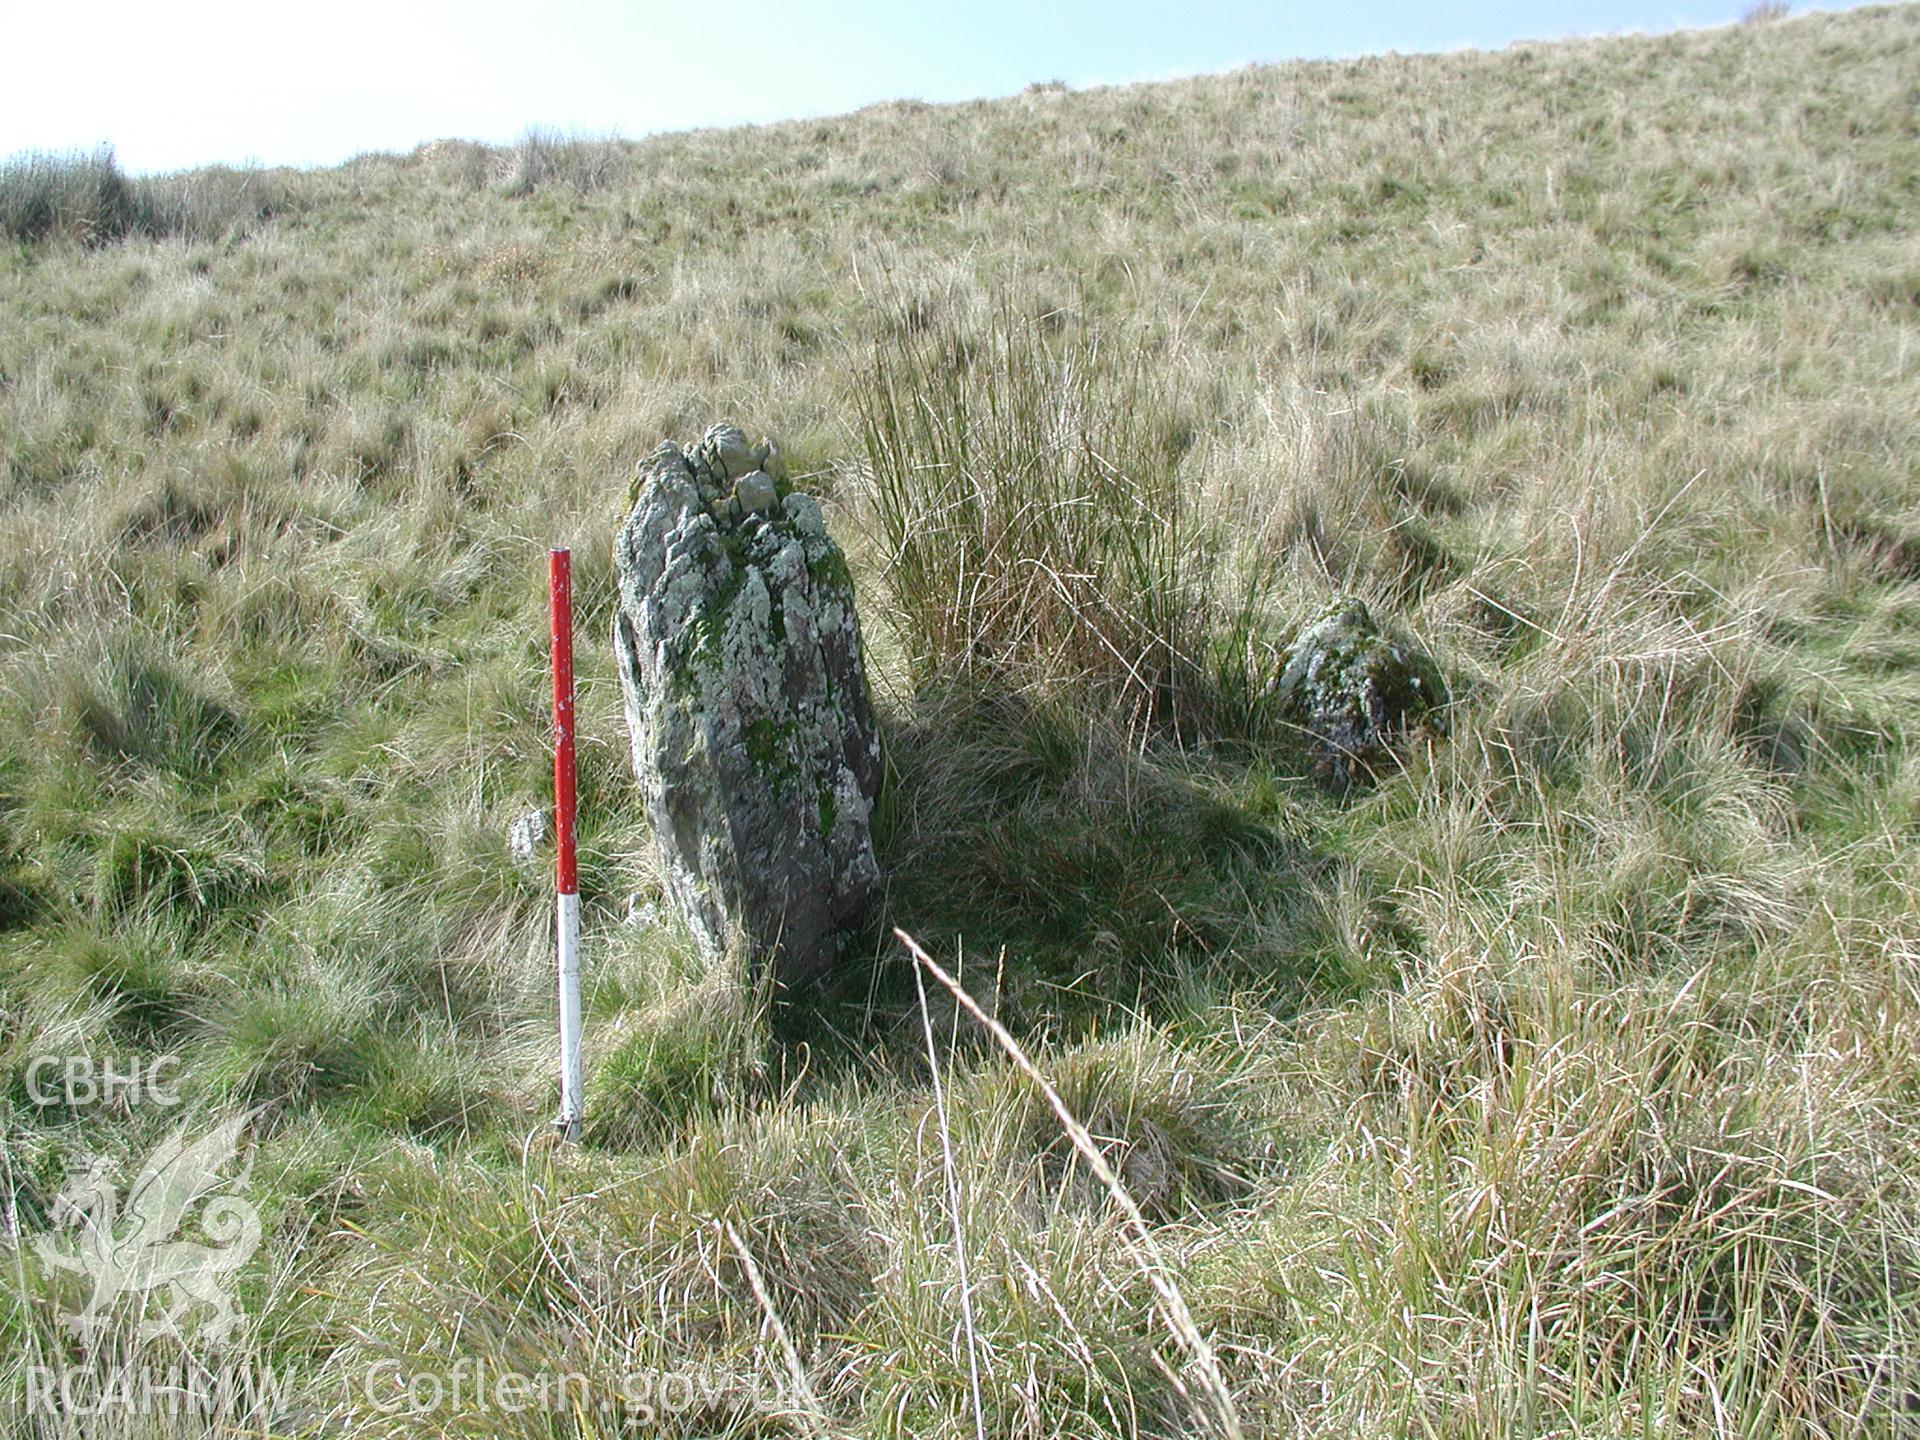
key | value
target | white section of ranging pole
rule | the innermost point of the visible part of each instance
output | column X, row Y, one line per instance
column 567, row 908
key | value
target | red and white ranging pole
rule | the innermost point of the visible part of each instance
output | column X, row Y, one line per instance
column 566, row 869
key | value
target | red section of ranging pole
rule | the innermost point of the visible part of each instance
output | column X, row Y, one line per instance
column 560, row 585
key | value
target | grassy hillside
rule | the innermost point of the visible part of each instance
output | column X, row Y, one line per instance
column 1564, row 1082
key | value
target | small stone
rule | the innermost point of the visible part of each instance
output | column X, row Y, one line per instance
column 755, row 491
column 525, row 835
column 1358, row 691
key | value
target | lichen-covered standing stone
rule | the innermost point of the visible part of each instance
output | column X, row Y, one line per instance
column 746, row 698
column 1357, row 691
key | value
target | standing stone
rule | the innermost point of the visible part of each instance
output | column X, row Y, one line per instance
column 746, row 698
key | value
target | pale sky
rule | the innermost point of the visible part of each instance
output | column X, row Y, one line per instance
column 172, row 85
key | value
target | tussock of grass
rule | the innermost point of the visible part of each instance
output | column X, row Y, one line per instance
column 84, row 197
column 544, row 157
column 1033, row 519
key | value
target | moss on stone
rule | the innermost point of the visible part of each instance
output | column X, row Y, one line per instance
column 700, row 646
column 770, row 750
column 697, row 650
column 828, row 569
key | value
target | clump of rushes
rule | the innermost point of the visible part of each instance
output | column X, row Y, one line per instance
column 1032, row 498
column 84, row 196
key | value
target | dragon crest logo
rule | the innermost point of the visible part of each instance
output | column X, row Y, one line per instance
column 130, row 1253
